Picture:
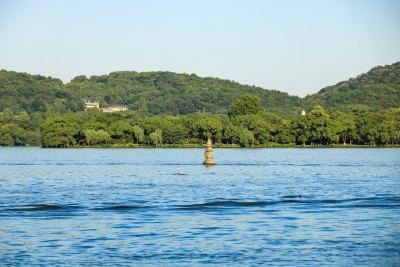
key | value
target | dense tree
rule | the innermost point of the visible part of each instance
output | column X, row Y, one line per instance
column 139, row 134
column 58, row 137
column 299, row 129
column 346, row 126
column 95, row 125
column 247, row 137
column 260, row 128
column 246, row 105
column 172, row 133
column 121, row 130
column 208, row 129
column 94, row 137
column 15, row 132
column 284, row 133
column 317, row 122
column 18, row 130
column 6, row 139
column 31, row 138
column 232, row 133
column 63, row 131
column 367, row 126
column 156, row 137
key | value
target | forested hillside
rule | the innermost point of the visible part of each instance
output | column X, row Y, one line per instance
column 156, row 93
column 375, row 90
column 35, row 93
column 168, row 93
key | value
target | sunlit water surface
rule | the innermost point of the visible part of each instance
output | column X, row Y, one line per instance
column 163, row 207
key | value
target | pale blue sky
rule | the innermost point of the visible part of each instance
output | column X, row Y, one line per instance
column 292, row 46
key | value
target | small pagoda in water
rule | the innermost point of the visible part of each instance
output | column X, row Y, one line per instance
column 209, row 154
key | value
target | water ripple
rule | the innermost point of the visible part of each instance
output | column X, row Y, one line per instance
column 41, row 207
column 373, row 202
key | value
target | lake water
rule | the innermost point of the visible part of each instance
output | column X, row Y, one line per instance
column 256, row 206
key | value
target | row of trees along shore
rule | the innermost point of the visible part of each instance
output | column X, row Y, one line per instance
column 246, row 125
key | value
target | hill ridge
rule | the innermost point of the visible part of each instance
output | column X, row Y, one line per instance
column 170, row 93
column 377, row 89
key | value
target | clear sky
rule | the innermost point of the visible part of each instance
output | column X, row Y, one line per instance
column 292, row 46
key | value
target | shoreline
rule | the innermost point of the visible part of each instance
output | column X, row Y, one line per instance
column 203, row 146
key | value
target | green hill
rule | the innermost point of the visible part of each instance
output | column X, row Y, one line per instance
column 156, row 93
column 31, row 93
column 159, row 93
column 375, row 90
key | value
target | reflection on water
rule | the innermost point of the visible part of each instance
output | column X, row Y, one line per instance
column 255, row 206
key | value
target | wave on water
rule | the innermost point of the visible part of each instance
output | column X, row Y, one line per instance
column 290, row 201
column 41, row 207
column 120, row 207
column 227, row 203
column 372, row 202
column 41, row 210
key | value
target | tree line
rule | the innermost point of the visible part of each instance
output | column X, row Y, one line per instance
column 247, row 124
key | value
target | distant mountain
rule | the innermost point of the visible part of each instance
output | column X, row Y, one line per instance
column 170, row 93
column 375, row 90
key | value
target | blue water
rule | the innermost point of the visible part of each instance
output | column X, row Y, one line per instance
column 255, row 207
